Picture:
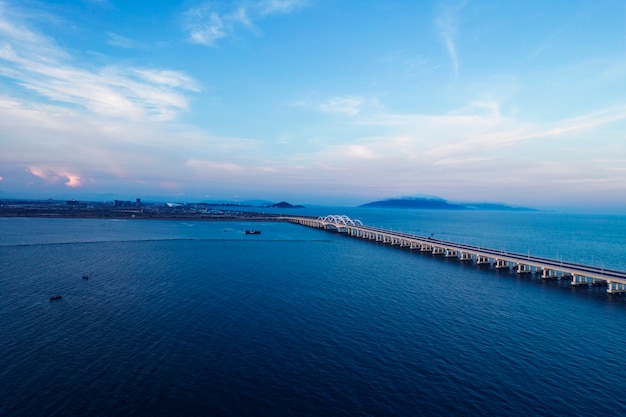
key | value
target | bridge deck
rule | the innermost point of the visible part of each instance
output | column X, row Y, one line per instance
column 580, row 274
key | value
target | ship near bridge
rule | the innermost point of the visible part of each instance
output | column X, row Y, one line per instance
column 579, row 274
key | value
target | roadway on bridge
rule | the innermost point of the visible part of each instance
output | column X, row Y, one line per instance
column 504, row 255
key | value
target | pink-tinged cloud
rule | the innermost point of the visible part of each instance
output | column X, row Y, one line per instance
column 1, row 179
column 72, row 180
column 40, row 173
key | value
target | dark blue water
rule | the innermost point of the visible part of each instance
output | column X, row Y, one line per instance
column 199, row 319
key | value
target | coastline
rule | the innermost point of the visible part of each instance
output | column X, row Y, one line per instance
column 144, row 213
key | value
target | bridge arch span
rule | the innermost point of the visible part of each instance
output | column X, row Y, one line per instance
column 340, row 219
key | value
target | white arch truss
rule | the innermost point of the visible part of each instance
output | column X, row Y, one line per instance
column 339, row 219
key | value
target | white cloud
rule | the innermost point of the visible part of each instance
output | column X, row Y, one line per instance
column 281, row 6
column 123, row 42
column 343, row 105
column 473, row 151
column 208, row 23
column 37, row 64
column 205, row 27
column 447, row 25
column 215, row 167
column 52, row 176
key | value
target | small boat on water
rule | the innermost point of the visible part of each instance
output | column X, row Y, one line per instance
column 253, row 232
column 85, row 276
column 55, row 297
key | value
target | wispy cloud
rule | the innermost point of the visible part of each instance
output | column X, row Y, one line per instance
column 69, row 179
column 36, row 63
column 474, row 148
column 280, row 6
column 208, row 22
column 447, row 26
column 478, row 130
column 343, row 105
column 123, row 42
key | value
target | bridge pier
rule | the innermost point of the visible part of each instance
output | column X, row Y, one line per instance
column 616, row 287
column 579, row 280
column 549, row 274
column 451, row 253
column 523, row 268
column 426, row 248
column 500, row 264
column 466, row 256
column 437, row 250
column 481, row 260
column 585, row 280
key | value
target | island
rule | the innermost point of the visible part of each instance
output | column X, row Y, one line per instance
column 436, row 203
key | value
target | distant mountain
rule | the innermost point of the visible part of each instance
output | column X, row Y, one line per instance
column 283, row 204
column 257, row 203
column 436, row 203
column 419, row 203
column 495, row 206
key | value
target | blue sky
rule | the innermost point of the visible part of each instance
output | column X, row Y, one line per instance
column 315, row 102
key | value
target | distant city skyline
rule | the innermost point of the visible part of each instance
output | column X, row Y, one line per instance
column 315, row 102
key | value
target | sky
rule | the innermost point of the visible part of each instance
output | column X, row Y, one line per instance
column 332, row 102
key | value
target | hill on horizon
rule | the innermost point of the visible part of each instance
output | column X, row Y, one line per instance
column 436, row 203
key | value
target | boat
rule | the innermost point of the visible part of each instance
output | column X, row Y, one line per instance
column 85, row 276
column 253, row 232
column 55, row 297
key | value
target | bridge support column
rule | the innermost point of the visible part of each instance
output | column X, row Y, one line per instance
column 466, row 256
column 451, row 253
column 437, row 250
column 616, row 287
column 426, row 248
column 580, row 280
column 500, row 263
column 549, row 273
column 481, row 260
column 523, row 268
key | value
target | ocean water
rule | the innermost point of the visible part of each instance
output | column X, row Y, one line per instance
column 184, row 318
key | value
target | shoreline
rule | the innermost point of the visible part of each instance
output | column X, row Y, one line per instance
column 143, row 214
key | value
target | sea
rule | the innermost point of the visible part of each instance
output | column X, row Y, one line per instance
column 197, row 318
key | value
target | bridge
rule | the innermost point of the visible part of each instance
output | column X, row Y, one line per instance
column 580, row 274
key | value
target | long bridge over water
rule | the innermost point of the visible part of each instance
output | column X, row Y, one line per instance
column 580, row 274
